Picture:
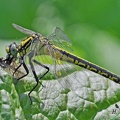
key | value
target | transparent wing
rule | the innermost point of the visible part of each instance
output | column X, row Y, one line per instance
column 59, row 35
column 49, row 55
column 60, row 39
column 24, row 30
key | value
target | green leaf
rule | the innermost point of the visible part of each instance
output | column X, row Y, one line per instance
column 82, row 95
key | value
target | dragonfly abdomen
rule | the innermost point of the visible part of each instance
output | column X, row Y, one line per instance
column 66, row 56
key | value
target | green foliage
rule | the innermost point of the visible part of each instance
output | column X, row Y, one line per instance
column 81, row 95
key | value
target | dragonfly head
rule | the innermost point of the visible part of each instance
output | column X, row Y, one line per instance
column 12, row 51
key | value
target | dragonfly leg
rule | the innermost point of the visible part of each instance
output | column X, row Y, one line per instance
column 25, row 67
column 31, row 60
column 35, row 75
column 35, row 61
column 16, row 69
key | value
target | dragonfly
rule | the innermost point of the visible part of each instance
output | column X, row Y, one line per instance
column 37, row 45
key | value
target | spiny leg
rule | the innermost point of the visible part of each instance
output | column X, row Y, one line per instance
column 16, row 69
column 30, row 55
column 36, row 78
column 25, row 67
column 35, row 61
column 35, row 75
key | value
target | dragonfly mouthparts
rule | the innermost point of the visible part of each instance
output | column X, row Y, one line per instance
column 2, row 63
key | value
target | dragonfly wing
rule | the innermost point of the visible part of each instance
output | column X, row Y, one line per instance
column 60, row 68
column 49, row 55
column 60, row 39
column 24, row 30
column 59, row 35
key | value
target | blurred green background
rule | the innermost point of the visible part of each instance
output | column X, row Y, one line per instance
column 93, row 26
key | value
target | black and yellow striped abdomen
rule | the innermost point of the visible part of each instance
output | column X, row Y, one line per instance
column 66, row 56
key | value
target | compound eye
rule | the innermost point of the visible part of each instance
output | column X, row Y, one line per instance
column 13, row 49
